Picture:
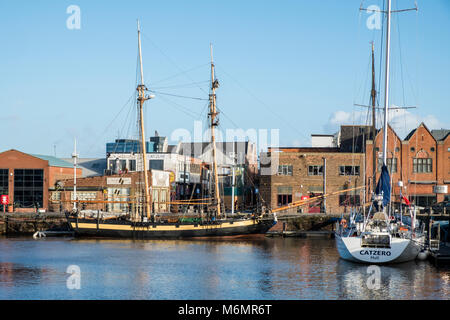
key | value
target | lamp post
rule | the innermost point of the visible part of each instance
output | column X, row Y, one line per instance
column 74, row 157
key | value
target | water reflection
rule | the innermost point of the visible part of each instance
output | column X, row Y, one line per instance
column 412, row 280
column 15, row 274
column 258, row 268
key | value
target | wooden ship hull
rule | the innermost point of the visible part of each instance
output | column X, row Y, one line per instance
column 116, row 228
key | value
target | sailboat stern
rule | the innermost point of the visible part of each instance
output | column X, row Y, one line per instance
column 400, row 250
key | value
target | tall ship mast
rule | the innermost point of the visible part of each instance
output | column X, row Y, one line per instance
column 141, row 88
column 213, row 124
column 146, row 226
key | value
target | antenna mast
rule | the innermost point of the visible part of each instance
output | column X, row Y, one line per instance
column 213, row 114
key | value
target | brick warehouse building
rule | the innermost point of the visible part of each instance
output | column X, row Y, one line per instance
column 27, row 178
column 421, row 162
column 113, row 193
column 300, row 173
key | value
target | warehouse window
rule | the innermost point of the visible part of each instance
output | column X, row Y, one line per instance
column 55, row 196
column 422, row 165
column 285, row 170
column 118, row 199
column 349, row 200
column 4, row 181
column 28, row 188
column 315, row 170
column 123, row 165
column 132, row 164
column 391, row 164
column 159, row 165
column 284, row 195
column 349, row 170
column 284, row 199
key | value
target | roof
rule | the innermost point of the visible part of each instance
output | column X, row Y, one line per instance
column 440, row 134
column 91, row 166
column 195, row 149
column 53, row 161
column 303, row 149
column 172, row 148
column 353, row 137
column 422, row 124
column 410, row 134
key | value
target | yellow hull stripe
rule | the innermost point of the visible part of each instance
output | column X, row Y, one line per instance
column 126, row 227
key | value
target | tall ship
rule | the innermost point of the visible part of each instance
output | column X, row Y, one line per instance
column 380, row 238
column 144, row 224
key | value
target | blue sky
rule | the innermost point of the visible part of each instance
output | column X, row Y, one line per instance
column 298, row 66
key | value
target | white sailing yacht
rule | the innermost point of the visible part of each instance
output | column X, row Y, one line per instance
column 379, row 239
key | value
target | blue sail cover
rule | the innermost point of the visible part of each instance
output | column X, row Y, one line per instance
column 384, row 187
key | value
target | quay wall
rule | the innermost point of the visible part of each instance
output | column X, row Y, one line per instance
column 307, row 222
column 29, row 223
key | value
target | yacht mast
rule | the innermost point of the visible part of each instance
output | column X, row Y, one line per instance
column 386, row 87
column 373, row 96
column 213, row 114
column 141, row 99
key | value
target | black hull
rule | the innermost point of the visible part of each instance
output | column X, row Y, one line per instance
column 130, row 230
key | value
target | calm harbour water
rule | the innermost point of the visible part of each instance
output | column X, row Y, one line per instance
column 262, row 268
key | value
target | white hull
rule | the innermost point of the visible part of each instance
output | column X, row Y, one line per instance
column 401, row 250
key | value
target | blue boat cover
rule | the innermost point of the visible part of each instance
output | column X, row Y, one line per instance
column 383, row 187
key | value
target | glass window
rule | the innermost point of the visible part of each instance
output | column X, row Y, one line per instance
column 132, row 164
column 112, row 165
column 118, row 197
column 422, row 165
column 285, row 170
column 349, row 200
column 425, row 201
column 28, row 187
column 391, row 164
column 3, row 181
column 158, row 165
column 284, row 199
column 349, row 170
column 123, row 165
column 315, row 170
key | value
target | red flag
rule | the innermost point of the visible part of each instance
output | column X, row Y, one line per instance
column 406, row 201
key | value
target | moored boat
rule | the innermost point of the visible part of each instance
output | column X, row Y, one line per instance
column 144, row 223
column 380, row 238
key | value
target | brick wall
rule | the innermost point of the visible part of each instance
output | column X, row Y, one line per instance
column 303, row 184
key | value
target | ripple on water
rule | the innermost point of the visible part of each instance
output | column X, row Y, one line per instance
column 202, row 269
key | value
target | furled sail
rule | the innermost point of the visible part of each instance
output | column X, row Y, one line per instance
column 383, row 187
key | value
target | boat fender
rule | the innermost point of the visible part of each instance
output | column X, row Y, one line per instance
column 423, row 255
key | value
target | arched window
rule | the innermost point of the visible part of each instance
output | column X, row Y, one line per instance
column 422, row 163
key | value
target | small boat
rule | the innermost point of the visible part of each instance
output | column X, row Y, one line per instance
column 146, row 225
